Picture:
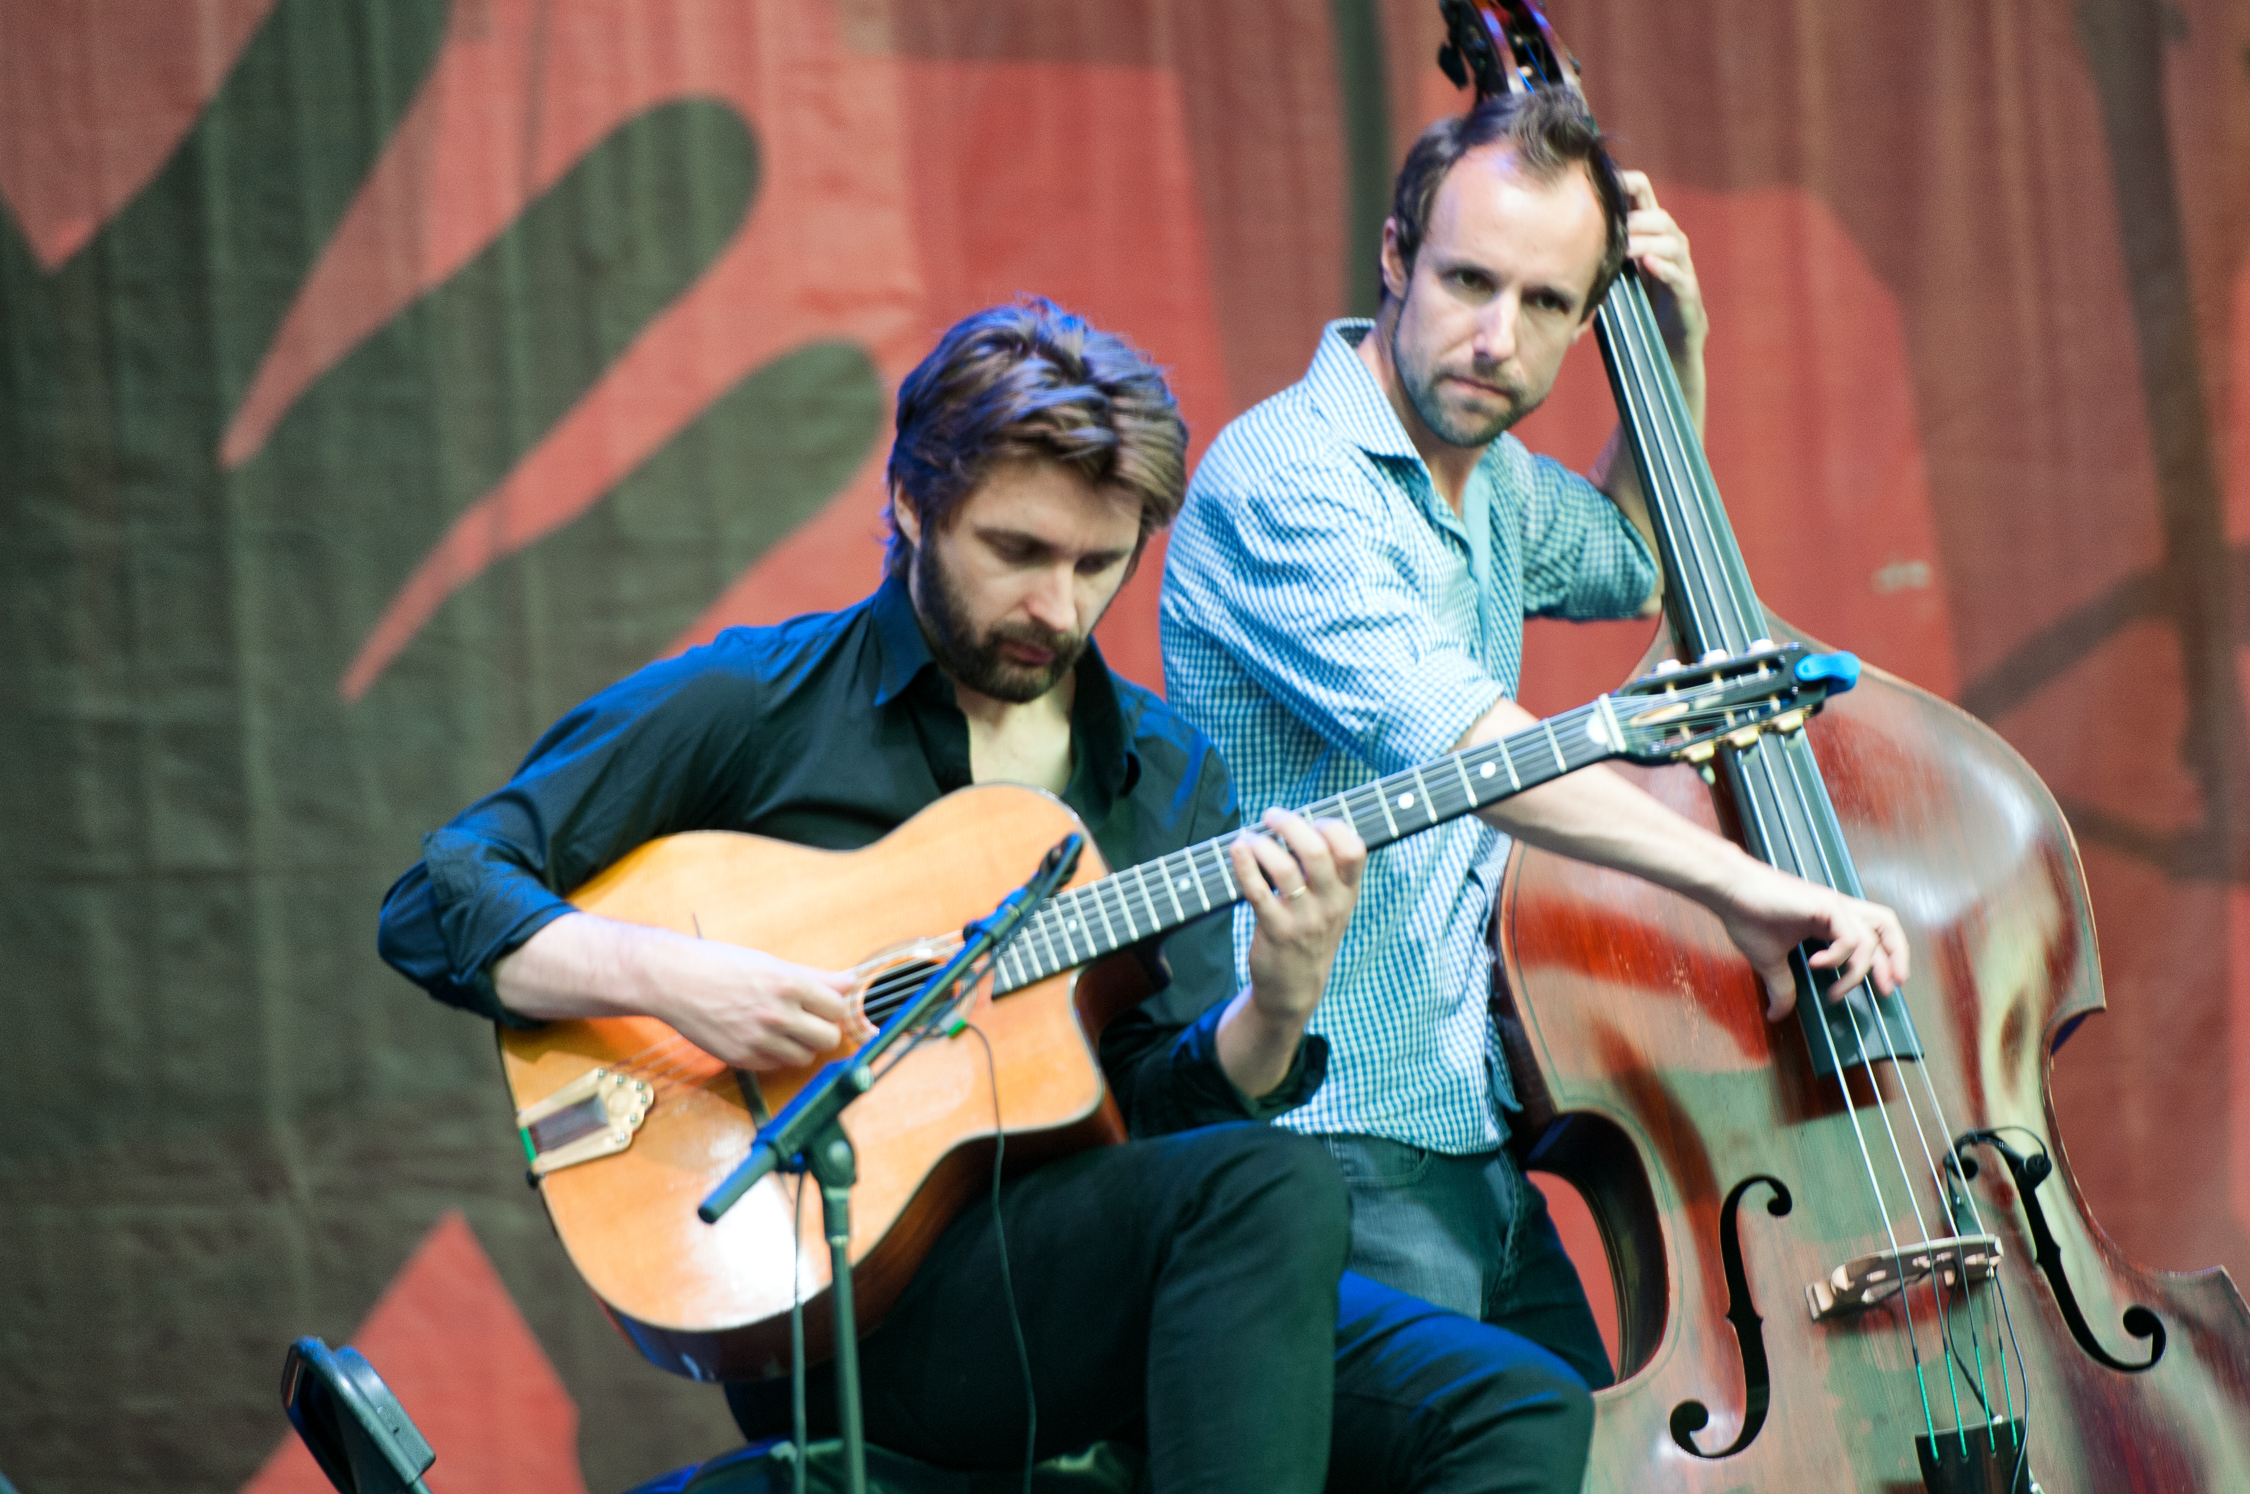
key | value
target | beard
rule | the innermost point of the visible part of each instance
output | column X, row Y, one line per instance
column 977, row 661
column 1450, row 423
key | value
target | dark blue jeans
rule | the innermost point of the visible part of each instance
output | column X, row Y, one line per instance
column 1470, row 1233
column 1183, row 1294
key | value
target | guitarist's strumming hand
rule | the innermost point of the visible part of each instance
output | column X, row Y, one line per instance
column 1302, row 888
column 744, row 1007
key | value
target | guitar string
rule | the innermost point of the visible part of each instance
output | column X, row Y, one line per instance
column 1095, row 911
column 674, row 1062
column 1112, row 898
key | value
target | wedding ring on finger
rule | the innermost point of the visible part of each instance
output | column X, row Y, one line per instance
column 1296, row 892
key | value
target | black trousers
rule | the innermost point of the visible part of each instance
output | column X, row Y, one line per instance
column 1188, row 1293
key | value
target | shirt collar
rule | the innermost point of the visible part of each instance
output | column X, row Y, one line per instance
column 1347, row 393
column 904, row 652
column 1107, row 763
column 1345, row 390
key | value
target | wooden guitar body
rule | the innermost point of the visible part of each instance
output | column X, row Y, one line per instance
column 712, row 1301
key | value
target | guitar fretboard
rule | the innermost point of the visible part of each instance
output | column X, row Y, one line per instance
column 1139, row 902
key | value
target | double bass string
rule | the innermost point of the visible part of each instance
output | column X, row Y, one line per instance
column 1976, row 1373
column 1698, row 556
column 1656, row 411
column 1828, row 873
column 1731, row 608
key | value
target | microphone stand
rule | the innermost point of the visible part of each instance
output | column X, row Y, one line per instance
column 808, row 1134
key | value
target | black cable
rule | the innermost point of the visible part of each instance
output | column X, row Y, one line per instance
column 1007, row 1281
column 797, row 1434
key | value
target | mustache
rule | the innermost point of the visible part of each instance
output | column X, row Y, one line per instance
column 1492, row 376
column 1034, row 635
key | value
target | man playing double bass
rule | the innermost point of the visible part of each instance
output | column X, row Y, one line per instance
column 1182, row 1288
column 1344, row 598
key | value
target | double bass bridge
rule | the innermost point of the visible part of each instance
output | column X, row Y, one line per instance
column 1871, row 1280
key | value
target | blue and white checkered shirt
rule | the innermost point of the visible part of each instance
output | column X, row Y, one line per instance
column 1320, row 623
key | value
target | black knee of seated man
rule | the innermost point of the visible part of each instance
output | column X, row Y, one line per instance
column 1532, row 1413
column 1436, row 1402
column 1268, row 1186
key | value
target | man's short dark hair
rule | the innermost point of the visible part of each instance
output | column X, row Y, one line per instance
column 1032, row 381
column 1548, row 131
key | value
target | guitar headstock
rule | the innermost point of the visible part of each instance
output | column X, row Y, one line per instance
column 1503, row 46
column 1684, row 713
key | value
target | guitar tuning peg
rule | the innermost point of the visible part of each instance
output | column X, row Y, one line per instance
column 1668, row 666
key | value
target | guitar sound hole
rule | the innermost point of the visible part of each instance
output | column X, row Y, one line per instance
column 894, row 986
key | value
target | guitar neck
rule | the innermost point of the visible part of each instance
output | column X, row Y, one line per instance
column 1088, row 922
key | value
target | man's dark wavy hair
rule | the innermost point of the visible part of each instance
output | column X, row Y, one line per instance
column 1030, row 380
column 1548, row 131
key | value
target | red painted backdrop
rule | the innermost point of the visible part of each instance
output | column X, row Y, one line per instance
column 1981, row 408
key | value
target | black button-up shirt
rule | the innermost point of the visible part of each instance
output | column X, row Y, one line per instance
column 830, row 731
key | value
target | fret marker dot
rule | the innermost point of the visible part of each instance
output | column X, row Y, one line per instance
column 1485, row 771
column 1070, row 923
column 1183, row 882
column 1406, row 801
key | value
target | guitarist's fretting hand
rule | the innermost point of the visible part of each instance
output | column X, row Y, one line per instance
column 744, row 1007
column 1302, row 888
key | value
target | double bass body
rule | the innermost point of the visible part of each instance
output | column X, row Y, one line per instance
column 1661, row 1090
column 1747, row 1177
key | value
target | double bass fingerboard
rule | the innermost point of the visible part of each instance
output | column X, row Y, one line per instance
column 1087, row 922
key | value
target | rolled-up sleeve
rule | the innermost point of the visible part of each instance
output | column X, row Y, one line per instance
column 1582, row 559
column 1303, row 586
column 625, row 767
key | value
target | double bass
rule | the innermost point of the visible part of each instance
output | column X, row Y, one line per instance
column 1847, row 1250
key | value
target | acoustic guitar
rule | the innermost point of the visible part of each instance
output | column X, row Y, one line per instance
column 626, row 1125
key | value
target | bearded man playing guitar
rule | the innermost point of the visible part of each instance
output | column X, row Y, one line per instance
column 1344, row 594
column 1183, row 1287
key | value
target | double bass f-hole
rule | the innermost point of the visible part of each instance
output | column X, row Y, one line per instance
column 1690, row 1417
column 2029, row 1172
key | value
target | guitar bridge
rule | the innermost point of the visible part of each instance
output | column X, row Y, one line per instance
column 1871, row 1280
column 594, row 1115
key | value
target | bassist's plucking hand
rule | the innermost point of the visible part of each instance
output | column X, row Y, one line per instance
column 1768, row 913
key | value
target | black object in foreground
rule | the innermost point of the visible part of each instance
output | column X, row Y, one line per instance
column 351, row 1423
